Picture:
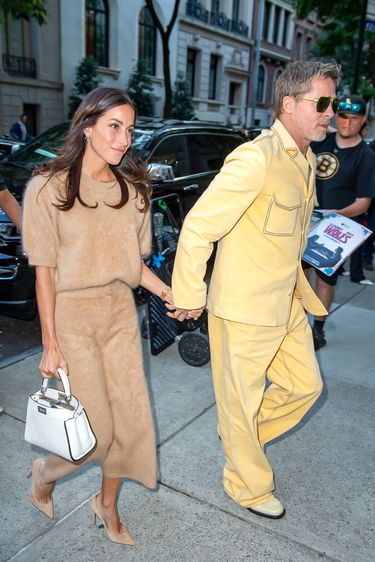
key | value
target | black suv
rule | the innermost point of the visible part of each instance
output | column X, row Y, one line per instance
column 183, row 156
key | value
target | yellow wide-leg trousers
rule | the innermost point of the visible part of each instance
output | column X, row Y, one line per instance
column 242, row 356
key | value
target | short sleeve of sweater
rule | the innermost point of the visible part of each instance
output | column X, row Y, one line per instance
column 145, row 235
column 39, row 231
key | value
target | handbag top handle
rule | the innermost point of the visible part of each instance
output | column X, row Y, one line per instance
column 64, row 381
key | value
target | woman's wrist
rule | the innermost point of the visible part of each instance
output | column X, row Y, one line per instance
column 164, row 293
column 50, row 345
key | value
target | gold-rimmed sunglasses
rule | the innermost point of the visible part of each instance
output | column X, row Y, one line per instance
column 323, row 102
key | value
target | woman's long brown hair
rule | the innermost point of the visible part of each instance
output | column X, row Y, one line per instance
column 131, row 169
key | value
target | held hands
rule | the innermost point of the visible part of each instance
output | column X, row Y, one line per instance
column 180, row 314
column 52, row 359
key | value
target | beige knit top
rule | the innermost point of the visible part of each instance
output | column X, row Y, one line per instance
column 90, row 247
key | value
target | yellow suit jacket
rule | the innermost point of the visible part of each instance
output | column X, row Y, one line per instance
column 258, row 208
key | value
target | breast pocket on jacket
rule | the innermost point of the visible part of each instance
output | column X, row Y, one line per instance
column 282, row 215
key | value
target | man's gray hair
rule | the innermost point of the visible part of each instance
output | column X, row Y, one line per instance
column 296, row 78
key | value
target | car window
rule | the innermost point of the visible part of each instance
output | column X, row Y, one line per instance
column 43, row 147
column 207, row 152
column 232, row 142
column 174, row 152
column 140, row 138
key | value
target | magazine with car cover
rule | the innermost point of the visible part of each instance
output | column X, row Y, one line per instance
column 331, row 240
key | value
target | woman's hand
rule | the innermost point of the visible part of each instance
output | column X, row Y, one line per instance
column 182, row 314
column 168, row 298
column 52, row 359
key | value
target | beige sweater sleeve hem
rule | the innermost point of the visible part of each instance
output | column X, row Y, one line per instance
column 36, row 260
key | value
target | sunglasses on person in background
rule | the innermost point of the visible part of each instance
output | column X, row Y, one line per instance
column 352, row 107
column 323, row 102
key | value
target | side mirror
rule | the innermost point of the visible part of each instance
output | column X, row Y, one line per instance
column 161, row 172
column 16, row 147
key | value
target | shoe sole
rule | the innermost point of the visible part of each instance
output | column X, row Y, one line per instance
column 265, row 515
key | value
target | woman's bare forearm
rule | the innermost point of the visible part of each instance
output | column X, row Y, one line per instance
column 11, row 207
column 52, row 357
column 46, row 297
column 152, row 283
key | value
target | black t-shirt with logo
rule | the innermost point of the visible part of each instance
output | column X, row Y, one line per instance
column 343, row 174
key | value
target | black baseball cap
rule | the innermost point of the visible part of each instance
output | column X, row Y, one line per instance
column 355, row 105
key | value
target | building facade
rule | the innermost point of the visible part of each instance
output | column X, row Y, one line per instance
column 214, row 50
column 283, row 38
column 117, row 34
column 30, row 71
column 212, row 46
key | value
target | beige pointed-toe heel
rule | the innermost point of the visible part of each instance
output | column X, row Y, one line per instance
column 124, row 537
column 45, row 507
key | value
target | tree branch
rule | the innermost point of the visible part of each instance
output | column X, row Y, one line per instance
column 155, row 17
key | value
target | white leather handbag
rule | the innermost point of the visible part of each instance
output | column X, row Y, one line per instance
column 57, row 422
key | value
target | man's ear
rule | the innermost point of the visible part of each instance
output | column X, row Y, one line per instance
column 289, row 105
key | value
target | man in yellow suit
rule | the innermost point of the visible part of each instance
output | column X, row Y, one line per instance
column 258, row 208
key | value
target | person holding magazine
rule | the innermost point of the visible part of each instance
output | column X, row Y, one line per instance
column 345, row 182
column 86, row 228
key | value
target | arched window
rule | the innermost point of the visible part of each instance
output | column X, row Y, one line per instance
column 147, row 40
column 97, row 30
column 261, row 84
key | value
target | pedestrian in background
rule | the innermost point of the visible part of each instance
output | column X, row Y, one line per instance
column 258, row 208
column 86, row 228
column 345, row 182
column 18, row 130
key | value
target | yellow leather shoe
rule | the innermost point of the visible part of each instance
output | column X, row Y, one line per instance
column 271, row 508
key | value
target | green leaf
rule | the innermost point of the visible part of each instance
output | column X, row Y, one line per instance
column 25, row 9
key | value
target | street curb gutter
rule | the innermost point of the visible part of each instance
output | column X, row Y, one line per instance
column 19, row 357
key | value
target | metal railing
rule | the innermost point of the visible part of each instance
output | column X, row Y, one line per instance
column 195, row 10
column 19, row 66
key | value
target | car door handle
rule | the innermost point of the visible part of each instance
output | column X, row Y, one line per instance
column 190, row 187
column 7, row 273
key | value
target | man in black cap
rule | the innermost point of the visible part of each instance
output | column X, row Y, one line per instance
column 345, row 183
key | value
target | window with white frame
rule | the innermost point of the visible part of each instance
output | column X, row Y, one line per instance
column 215, row 6
column 147, row 40
column 261, row 84
column 276, row 22
column 236, row 10
column 191, row 57
column 266, row 20
column 97, row 30
column 287, row 19
column 212, row 82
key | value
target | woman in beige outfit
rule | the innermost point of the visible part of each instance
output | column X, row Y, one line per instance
column 86, row 228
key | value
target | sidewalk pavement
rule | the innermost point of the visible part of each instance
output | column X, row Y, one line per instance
column 324, row 468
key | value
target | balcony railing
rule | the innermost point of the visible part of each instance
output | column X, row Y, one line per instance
column 19, row 66
column 195, row 10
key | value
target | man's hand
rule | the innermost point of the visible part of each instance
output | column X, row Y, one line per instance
column 182, row 314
